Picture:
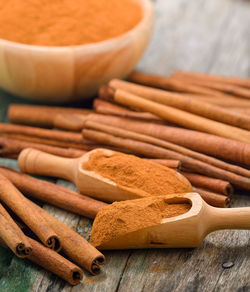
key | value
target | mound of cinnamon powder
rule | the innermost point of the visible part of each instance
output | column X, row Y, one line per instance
column 66, row 22
column 119, row 218
column 136, row 173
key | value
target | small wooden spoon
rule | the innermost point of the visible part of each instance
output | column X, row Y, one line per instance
column 187, row 230
column 88, row 182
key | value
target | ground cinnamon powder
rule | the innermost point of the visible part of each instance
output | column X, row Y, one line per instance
column 124, row 217
column 130, row 171
column 66, row 22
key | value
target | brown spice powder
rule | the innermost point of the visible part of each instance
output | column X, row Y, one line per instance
column 136, row 173
column 124, row 217
column 66, row 22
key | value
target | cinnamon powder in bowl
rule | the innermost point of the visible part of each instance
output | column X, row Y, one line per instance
column 59, row 51
column 66, row 22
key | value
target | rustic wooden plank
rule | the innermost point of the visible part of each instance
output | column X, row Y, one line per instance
column 18, row 277
column 200, row 35
column 5, row 260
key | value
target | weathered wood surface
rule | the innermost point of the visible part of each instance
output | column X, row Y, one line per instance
column 200, row 35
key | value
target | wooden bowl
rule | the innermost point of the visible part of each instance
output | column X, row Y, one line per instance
column 64, row 74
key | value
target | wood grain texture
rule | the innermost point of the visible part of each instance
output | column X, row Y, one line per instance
column 206, row 36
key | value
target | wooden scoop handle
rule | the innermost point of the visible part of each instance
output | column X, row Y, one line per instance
column 38, row 162
column 235, row 218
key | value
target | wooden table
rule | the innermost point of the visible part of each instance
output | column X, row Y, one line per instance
column 201, row 35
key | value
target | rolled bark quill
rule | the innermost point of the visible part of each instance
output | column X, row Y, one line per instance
column 223, row 87
column 213, row 199
column 53, row 262
column 13, row 235
column 171, row 83
column 179, row 117
column 175, row 164
column 50, row 142
column 211, row 184
column 161, row 143
column 192, row 105
column 40, row 116
column 198, row 141
column 74, row 245
column 17, row 203
column 226, row 102
column 45, row 136
column 69, row 122
column 241, row 110
column 42, row 133
column 12, row 148
column 53, row 194
column 159, row 152
column 244, row 82
column 107, row 108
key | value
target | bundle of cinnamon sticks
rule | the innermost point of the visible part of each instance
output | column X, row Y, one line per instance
column 41, row 236
column 144, row 120
column 195, row 123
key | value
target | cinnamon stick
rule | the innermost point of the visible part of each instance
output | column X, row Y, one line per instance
column 244, row 82
column 45, row 136
column 168, row 145
column 63, row 144
column 74, row 122
column 223, row 87
column 158, row 152
column 107, row 108
column 40, row 116
column 69, row 122
column 225, row 102
column 53, row 194
column 53, row 262
column 189, row 104
column 13, row 236
column 213, row 199
column 42, row 133
column 73, row 244
column 12, row 148
column 209, row 183
column 172, row 84
column 83, row 147
column 16, row 202
column 175, row 164
column 180, row 117
column 243, row 110
column 216, row 146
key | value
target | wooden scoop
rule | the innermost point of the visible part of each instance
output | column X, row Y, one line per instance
column 186, row 230
column 88, row 182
